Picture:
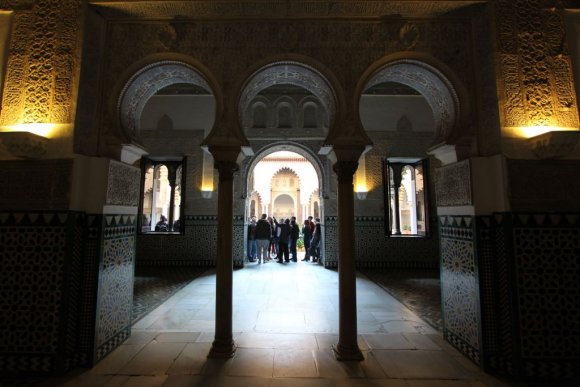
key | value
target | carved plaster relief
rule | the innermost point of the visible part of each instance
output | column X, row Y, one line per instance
column 432, row 85
column 123, row 185
column 292, row 73
column 42, row 68
column 146, row 83
column 535, row 72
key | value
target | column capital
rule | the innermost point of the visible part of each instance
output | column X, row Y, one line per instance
column 345, row 170
column 226, row 169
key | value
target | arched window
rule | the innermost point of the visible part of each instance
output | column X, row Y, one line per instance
column 310, row 120
column 285, row 116
column 406, row 210
column 161, row 196
column 260, row 116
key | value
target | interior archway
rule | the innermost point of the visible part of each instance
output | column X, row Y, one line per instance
column 415, row 77
column 151, row 80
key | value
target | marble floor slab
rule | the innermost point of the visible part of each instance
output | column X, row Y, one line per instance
column 285, row 324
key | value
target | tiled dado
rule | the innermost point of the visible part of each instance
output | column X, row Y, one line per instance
column 42, row 255
column 66, row 288
column 196, row 247
column 529, row 270
column 115, row 289
column 374, row 249
column 459, row 284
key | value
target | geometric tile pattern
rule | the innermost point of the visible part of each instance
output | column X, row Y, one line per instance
column 374, row 250
column 529, row 277
column 115, row 293
column 459, row 285
column 196, row 247
column 329, row 246
column 546, row 251
column 39, row 298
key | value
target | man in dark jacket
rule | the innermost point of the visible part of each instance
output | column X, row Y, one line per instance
column 283, row 233
column 263, row 235
column 294, row 235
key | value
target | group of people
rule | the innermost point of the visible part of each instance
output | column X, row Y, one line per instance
column 269, row 238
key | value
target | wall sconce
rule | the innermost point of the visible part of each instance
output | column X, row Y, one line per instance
column 206, row 194
column 361, row 195
column 555, row 144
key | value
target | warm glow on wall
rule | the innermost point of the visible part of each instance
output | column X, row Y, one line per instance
column 532, row 131
column 44, row 130
column 361, row 187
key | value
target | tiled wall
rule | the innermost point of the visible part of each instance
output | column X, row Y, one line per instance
column 42, row 259
column 374, row 249
column 115, row 290
column 66, row 278
column 530, row 265
column 196, row 247
column 460, row 285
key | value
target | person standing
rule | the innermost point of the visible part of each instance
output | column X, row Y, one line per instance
column 294, row 235
column 273, row 250
column 283, row 233
column 307, row 235
column 314, row 251
column 263, row 235
column 252, row 240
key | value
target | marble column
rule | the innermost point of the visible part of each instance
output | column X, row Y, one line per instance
column 223, row 345
column 347, row 347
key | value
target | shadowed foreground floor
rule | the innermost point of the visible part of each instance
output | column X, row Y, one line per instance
column 285, row 321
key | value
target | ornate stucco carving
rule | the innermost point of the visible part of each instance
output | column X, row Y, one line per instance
column 433, row 86
column 292, row 73
column 123, row 185
column 453, row 185
column 535, row 75
column 146, row 83
column 43, row 64
column 17, row 4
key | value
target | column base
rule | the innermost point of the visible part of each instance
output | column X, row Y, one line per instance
column 220, row 350
column 342, row 353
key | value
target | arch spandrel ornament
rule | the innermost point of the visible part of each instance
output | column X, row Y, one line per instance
column 146, row 83
column 292, row 73
column 432, row 85
column 443, row 92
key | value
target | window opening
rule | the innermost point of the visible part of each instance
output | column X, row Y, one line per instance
column 161, row 198
column 406, row 209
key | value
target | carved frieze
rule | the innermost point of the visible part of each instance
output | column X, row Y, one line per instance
column 43, row 65
column 453, row 185
column 123, row 185
column 535, row 71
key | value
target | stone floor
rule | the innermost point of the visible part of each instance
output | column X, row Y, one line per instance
column 285, row 322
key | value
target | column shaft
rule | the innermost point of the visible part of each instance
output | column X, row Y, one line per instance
column 223, row 345
column 347, row 347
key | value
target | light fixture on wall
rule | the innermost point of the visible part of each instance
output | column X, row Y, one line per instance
column 361, row 195
column 207, row 193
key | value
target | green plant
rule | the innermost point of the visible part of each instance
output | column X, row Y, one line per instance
column 300, row 243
